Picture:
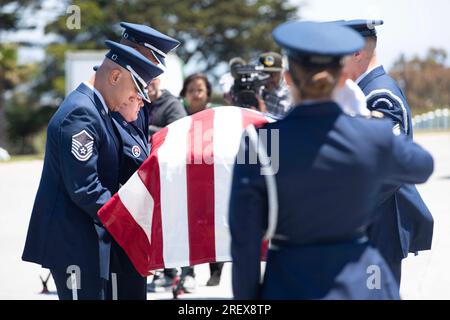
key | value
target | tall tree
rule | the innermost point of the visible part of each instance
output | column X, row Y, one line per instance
column 11, row 19
column 211, row 31
column 425, row 81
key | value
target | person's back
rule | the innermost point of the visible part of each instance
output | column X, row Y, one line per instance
column 405, row 224
column 331, row 167
column 328, row 172
column 335, row 158
column 333, row 164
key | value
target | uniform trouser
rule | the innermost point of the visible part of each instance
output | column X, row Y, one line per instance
column 396, row 269
column 187, row 271
column 121, row 286
column 170, row 272
column 216, row 268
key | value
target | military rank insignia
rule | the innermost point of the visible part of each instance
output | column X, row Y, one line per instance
column 82, row 145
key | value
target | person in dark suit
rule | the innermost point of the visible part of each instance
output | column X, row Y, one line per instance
column 164, row 109
column 326, row 169
column 405, row 224
column 80, row 174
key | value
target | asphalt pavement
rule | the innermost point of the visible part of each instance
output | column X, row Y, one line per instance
column 425, row 276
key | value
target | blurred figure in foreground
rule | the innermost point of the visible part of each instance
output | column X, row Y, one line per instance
column 327, row 168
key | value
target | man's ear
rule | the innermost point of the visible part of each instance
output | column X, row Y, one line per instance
column 358, row 55
column 114, row 77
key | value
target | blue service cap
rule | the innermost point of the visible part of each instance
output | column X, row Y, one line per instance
column 141, row 69
column 315, row 43
column 159, row 43
column 365, row 28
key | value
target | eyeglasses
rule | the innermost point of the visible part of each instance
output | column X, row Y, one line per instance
column 140, row 84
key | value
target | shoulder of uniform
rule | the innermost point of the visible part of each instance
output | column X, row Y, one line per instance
column 383, row 98
column 85, row 114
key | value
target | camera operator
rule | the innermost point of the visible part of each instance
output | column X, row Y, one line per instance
column 257, row 86
column 275, row 92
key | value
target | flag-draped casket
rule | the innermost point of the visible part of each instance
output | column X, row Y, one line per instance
column 174, row 210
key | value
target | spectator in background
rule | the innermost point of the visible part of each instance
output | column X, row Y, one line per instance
column 275, row 93
column 164, row 109
column 196, row 93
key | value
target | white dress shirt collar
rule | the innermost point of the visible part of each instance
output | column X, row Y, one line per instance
column 361, row 77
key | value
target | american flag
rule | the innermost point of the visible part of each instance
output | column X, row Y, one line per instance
column 174, row 210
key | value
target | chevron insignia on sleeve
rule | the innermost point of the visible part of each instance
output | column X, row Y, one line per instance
column 82, row 145
column 386, row 99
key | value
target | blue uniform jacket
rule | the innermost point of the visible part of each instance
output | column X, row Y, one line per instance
column 405, row 223
column 331, row 167
column 79, row 176
column 134, row 151
column 134, row 144
column 143, row 121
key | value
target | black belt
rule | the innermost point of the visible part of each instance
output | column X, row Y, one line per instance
column 359, row 238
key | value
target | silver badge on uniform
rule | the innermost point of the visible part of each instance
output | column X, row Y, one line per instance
column 82, row 145
column 136, row 151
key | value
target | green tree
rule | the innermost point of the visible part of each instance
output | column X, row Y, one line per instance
column 425, row 81
column 210, row 31
column 23, row 113
column 11, row 19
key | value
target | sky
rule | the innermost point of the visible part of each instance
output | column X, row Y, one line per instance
column 410, row 27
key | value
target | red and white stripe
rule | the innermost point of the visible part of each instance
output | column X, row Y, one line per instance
column 174, row 210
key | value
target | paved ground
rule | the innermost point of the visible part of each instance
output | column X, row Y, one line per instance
column 426, row 276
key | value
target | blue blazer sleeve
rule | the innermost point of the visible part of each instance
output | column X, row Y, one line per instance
column 80, row 177
column 409, row 163
column 248, row 215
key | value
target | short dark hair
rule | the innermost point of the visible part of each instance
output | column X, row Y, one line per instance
column 374, row 39
column 193, row 77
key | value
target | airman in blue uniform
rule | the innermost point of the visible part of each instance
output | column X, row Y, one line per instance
column 133, row 129
column 155, row 46
column 405, row 224
column 80, row 175
column 331, row 166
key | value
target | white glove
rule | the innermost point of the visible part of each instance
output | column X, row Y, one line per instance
column 351, row 99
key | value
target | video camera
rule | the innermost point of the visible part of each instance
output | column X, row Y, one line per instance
column 248, row 80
